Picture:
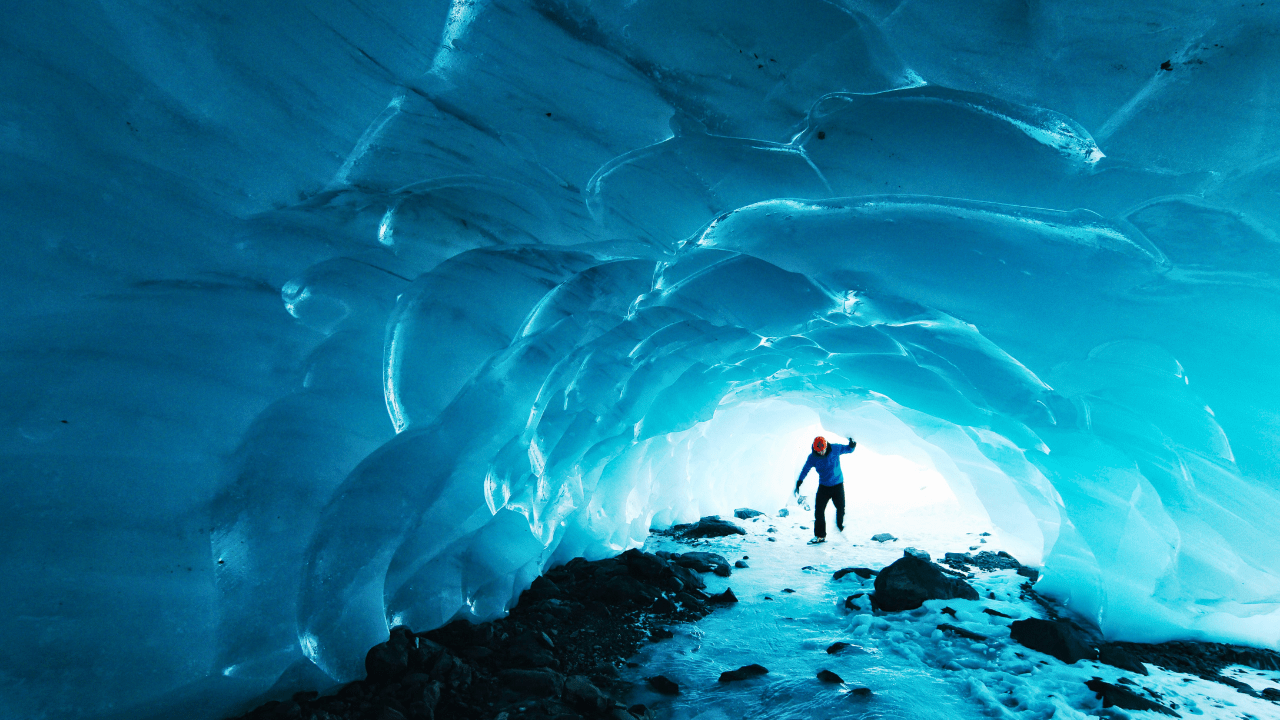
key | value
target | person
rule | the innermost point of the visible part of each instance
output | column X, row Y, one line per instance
column 825, row 458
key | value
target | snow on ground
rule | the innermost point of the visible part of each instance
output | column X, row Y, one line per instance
column 791, row 610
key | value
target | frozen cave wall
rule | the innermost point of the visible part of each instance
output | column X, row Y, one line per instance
column 325, row 315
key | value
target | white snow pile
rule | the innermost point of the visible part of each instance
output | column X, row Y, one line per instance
column 322, row 317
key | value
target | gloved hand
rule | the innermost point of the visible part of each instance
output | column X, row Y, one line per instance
column 798, row 483
column 850, row 441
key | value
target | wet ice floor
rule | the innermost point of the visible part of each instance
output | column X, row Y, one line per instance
column 913, row 670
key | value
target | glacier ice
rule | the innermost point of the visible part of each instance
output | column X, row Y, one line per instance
column 322, row 317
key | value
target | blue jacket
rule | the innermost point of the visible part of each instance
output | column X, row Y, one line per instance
column 828, row 466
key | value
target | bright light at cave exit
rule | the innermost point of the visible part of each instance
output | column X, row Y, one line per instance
column 751, row 454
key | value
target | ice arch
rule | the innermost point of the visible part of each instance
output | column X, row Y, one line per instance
column 536, row 257
column 581, row 432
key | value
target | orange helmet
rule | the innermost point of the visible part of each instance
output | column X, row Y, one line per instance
column 820, row 445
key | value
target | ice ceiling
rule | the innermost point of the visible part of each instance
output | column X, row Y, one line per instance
column 321, row 315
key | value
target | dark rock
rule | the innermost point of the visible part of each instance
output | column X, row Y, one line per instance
column 788, row 590
column 584, row 697
column 1030, row 573
column 949, row 611
column 828, row 676
column 663, row 606
column 387, row 661
column 772, row 539
column 662, row 684
column 985, row 534
column 744, row 672
column 1271, row 694
column 1125, row 698
column 476, row 652
column 542, row 589
column 527, row 652
column 860, row 693
column 541, row 683
column 740, row 564
column 688, row 578
column 954, row 630
column 724, row 598
column 849, row 603
column 708, row 527
column 746, row 513
column 1116, row 656
column 689, row 601
column 836, row 647
column 996, row 613
column 883, row 537
column 646, row 567
column 638, row 710
column 864, row 573
column 784, row 512
column 918, row 553
column 626, row 589
column 909, row 581
column 1058, row 639
column 661, row 634
column 703, row 562
column 389, row 713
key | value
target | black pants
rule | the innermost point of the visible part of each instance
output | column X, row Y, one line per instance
column 834, row 493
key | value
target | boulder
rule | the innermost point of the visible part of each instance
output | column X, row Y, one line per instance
column 830, row 677
column 744, row 672
column 1059, row 639
column 387, row 661
column 883, row 537
column 860, row 693
column 542, row 683
column 707, row 527
column 864, row 573
column 918, row 553
column 724, row 598
column 664, row 685
column 626, row 589
column 1123, row 697
column 741, row 564
column 836, row 647
column 1116, row 656
column 584, row 697
column 746, row 513
column 688, row 578
column 908, row 582
column 956, row 630
column 703, row 562
column 646, row 567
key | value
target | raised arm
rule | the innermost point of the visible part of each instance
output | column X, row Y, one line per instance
column 842, row 449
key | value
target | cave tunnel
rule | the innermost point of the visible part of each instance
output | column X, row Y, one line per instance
column 324, row 317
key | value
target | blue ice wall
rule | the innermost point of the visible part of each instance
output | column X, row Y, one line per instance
column 321, row 316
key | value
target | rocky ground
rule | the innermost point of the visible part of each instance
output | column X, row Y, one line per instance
column 559, row 651
column 556, row 655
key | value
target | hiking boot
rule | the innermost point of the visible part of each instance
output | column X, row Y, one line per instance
column 817, row 540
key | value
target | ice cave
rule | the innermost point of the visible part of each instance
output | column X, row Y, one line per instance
column 324, row 317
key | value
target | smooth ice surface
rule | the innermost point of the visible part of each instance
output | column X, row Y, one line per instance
column 323, row 316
